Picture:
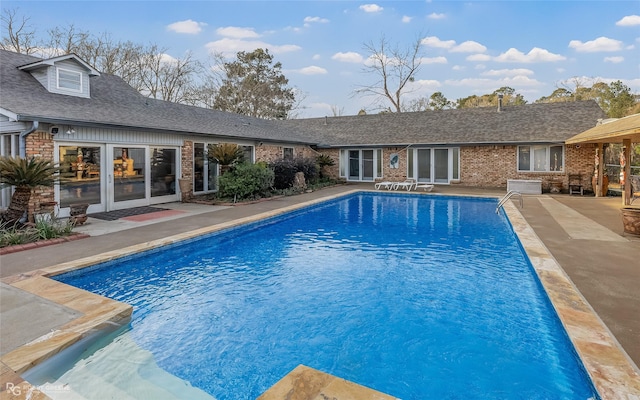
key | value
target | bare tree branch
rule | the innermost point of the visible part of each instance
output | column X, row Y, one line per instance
column 394, row 67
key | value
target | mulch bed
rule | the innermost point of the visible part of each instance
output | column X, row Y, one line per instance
column 42, row 243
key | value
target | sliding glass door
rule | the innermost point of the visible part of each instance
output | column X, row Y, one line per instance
column 434, row 165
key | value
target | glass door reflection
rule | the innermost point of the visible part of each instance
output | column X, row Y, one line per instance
column 80, row 173
column 128, row 174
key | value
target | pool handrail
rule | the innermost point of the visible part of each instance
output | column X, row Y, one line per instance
column 507, row 196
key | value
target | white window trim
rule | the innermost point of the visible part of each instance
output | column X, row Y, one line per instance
column 547, row 169
column 71, row 72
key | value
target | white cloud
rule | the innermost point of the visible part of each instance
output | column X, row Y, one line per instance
column 316, row 57
column 371, row 8
column 458, row 68
column 436, row 16
column 312, row 70
column 433, row 41
column 614, row 60
column 508, row 72
column 189, row 26
column 600, row 44
column 484, row 84
column 535, row 55
column 230, row 46
column 315, row 19
column 479, row 57
column 237, row 33
column 433, row 60
column 166, row 58
column 350, row 57
column 406, row 19
column 629, row 20
column 469, row 47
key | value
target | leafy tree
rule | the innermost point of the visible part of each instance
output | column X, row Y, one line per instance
column 253, row 85
column 437, row 101
column 25, row 175
column 615, row 98
column 394, row 67
column 621, row 101
column 509, row 97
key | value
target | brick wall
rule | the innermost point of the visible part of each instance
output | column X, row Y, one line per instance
column 492, row 166
column 269, row 152
column 186, row 167
column 394, row 174
column 39, row 144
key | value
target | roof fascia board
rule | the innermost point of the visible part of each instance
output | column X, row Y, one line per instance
column 60, row 121
column 13, row 117
column 415, row 145
column 51, row 62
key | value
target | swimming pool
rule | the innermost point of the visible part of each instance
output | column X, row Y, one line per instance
column 415, row 296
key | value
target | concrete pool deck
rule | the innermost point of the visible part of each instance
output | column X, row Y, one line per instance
column 584, row 234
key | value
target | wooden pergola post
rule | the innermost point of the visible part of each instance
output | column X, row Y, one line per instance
column 626, row 194
column 599, row 181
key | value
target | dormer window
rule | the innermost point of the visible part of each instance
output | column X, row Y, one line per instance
column 69, row 80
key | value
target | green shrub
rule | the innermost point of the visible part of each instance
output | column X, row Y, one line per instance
column 284, row 173
column 12, row 234
column 308, row 167
column 50, row 229
column 246, row 181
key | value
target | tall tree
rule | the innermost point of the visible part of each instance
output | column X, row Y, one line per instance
column 394, row 68
column 614, row 98
column 509, row 97
column 253, row 85
column 437, row 101
column 20, row 35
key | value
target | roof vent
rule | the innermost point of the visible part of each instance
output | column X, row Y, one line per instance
column 499, row 102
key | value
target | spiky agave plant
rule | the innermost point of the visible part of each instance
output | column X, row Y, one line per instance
column 225, row 154
column 24, row 175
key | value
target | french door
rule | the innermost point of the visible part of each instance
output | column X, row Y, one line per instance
column 434, row 165
column 361, row 165
column 126, row 176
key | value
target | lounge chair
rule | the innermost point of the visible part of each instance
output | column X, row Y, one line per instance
column 384, row 185
column 426, row 186
column 407, row 184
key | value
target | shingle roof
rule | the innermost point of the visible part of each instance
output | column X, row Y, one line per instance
column 114, row 103
column 533, row 123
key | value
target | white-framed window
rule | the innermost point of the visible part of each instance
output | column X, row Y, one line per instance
column 361, row 164
column 69, row 80
column 287, row 153
column 541, row 158
column 247, row 154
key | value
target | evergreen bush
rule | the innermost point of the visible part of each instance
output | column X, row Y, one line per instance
column 245, row 181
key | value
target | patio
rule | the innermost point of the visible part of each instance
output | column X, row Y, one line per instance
column 584, row 234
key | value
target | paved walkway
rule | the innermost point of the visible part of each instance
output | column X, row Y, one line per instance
column 583, row 233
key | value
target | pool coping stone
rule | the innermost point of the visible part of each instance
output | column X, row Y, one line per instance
column 614, row 375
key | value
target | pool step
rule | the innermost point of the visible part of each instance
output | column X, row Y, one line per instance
column 120, row 370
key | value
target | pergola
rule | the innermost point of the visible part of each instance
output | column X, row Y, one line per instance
column 624, row 130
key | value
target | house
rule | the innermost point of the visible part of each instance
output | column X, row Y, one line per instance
column 475, row 147
column 120, row 149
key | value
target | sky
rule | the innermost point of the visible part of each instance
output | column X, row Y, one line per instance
column 467, row 47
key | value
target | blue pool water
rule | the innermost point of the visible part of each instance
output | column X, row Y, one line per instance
column 420, row 297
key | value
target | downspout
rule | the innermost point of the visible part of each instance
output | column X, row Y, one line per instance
column 23, row 138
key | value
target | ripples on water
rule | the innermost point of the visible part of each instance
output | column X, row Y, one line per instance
column 416, row 296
